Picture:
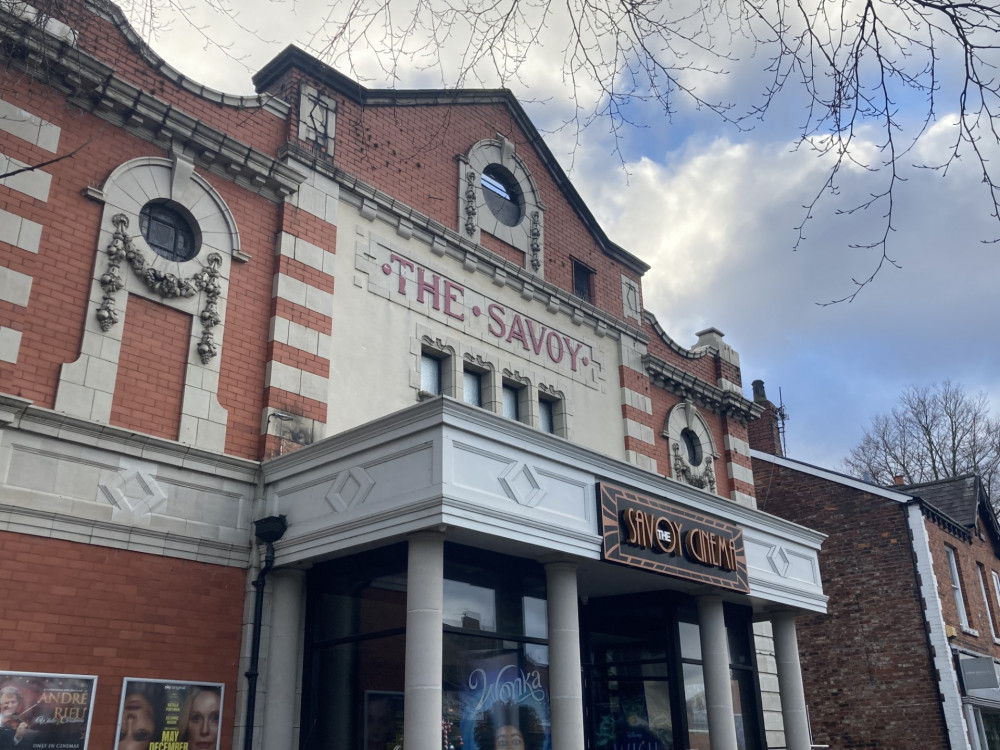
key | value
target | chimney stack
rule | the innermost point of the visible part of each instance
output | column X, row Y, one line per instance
column 898, row 480
column 765, row 433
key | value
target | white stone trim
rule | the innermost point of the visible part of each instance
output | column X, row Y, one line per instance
column 10, row 344
column 479, row 157
column 831, row 476
column 631, row 299
column 15, row 287
column 630, row 354
column 318, row 195
column 685, row 415
column 52, row 27
column 306, row 253
column 34, row 183
column 20, row 232
column 298, row 292
column 951, row 704
column 297, row 381
column 639, row 431
column 729, row 385
column 747, row 501
column 28, row 127
column 641, row 460
column 742, row 473
column 736, row 445
column 637, row 400
column 86, row 386
column 317, row 118
column 300, row 337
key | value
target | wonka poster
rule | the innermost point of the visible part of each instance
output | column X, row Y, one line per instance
column 505, row 701
column 41, row 711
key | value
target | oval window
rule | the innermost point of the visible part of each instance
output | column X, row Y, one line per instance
column 692, row 446
column 168, row 230
column 503, row 195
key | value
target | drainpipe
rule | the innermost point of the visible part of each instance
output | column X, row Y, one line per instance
column 267, row 530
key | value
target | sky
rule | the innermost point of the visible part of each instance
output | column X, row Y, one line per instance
column 714, row 209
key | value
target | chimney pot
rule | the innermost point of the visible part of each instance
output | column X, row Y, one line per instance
column 758, row 391
column 898, row 480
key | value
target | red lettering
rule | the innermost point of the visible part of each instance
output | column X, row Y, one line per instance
column 536, row 343
column 403, row 263
column 450, row 289
column 496, row 316
column 572, row 352
column 517, row 331
column 432, row 287
column 553, row 336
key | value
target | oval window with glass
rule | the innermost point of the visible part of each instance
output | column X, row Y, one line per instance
column 503, row 195
column 169, row 231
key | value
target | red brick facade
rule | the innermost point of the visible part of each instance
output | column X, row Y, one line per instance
column 868, row 658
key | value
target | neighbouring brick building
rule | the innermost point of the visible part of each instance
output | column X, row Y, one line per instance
column 332, row 412
column 906, row 655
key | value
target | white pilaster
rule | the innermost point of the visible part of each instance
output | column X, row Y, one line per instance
column 793, row 702
column 715, row 662
column 424, row 641
column 283, row 659
column 565, row 687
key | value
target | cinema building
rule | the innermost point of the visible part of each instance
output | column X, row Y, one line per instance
column 347, row 390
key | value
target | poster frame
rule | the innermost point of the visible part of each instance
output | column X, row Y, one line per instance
column 7, row 677
column 164, row 684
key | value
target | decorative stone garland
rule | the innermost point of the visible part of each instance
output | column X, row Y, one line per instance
column 536, row 245
column 470, row 202
column 167, row 285
column 704, row 479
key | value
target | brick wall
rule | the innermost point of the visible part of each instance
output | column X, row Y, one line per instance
column 968, row 555
column 872, row 643
column 81, row 609
column 150, row 384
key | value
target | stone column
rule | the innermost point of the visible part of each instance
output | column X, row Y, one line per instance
column 565, row 683
column 284, row 655
column 424, row 642
column 793, row 702
column 715, row 663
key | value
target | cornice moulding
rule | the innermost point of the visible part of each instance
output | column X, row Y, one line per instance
column 687, row 386
column 94, row 87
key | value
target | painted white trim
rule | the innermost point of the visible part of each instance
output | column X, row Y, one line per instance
column 832, row 476
column 934, row 616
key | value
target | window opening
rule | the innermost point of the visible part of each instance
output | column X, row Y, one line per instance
column 511, row 397
column 472, row 388
column 430, row 374
column 693, row 446
column 502, row 194
column 582, row 282
column 956, row 587
column 168, row 231
column 986, row 600
column 546, row 415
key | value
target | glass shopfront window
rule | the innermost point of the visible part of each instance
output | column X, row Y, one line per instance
column 496, row 658
column 645, row 678
column 355, row 652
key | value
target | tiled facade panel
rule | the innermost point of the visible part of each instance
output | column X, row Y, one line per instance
column 150, row 384
column 84, row 609
column 872, row 642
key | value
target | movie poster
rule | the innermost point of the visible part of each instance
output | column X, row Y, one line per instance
column 45, row 711
column 505, row 701
column 169, row 715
